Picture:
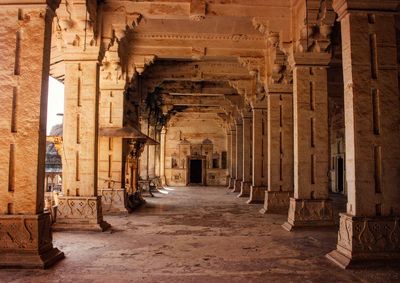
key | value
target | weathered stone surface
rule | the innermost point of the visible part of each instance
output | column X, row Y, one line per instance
column 200, row 136
column 276, row 201
column 363, row 240
column 257, row 194
column 305, row 213
column 112, row 200
column 80, row 213
column 26, row 242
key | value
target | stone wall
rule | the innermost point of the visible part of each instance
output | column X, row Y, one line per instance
column 191, row 133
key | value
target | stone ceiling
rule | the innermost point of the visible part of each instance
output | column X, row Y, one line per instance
column 184, row 46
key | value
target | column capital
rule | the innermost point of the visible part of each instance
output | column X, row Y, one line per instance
column 343, row 7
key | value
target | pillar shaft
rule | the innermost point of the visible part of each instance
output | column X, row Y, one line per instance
column 25, row 39
column 260, row 154
column 247, row 158
column 310, row 205
column 144, row 158
column 280, row 152
column 372, row 121
column 162, row 156
column 110, row 180
column 239, row 157
column 80, row 206
column 228, row 159
column 232, row 159
column 151, row 154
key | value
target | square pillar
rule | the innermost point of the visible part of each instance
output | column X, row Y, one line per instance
column 260, row 152
column 310, row 205
column 280, row 152
column 25, row 230
column 247, row 152
column 80, row 205
column 111, row 111
column 232, row 154
column 239, row 156
column 162, row 156
column 369, row 230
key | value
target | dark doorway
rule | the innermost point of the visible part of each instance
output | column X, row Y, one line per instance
column 196, row 171
column 340, row 177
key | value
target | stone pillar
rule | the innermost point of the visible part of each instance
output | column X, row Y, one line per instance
column 144, row 157
column 247, row 151
column 157, row 154
column 369, row 230
column 310, row 205
column 111, row 112
column 260, row 143
column 228, row 161
column 280, row 152
column 80, row 206
column 151, row 154
column 25, row 232
column 239, row 156
column 162, row 156
column 232, row 159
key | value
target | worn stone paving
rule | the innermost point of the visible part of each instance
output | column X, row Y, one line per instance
column 197, row 234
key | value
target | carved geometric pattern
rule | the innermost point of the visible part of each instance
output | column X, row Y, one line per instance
column 304, row 211
column 204, row 36
column 78, row 207
column 25, row 232
column 360, row 235
column 277, row 199
column 112, row 199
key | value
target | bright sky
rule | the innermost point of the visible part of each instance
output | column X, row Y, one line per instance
column 55, row 103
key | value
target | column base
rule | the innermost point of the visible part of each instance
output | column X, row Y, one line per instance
column 26, row 242
column 305, row 213
column 80, row 214
column 244, row 190
column 112, row 200
column 237, row 186
column 257, row 194
column 276, row 201
column 231, row 184
column 366, row 241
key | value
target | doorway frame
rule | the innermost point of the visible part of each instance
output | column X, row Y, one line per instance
column 203, row 159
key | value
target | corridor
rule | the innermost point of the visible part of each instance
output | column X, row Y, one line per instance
column 197, row 234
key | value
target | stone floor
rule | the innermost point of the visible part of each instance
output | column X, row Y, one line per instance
column 198, row 234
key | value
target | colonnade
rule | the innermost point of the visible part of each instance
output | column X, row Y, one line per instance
column 288, row 151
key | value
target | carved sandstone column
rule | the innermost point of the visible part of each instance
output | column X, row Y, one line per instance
column 232, row 158
column 151, row 154
column 25, row 232
column 239, row 156
column 111, row 101
column 260, row 142
column 310, row 205
column 247, row 152
column 369, row 230
column 280, row 152
column 162, row 156
column 80, row 206
column 228, row 161
column 144, row 157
